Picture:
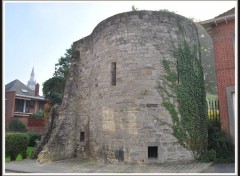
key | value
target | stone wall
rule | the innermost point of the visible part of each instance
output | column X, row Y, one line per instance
column 123, row 122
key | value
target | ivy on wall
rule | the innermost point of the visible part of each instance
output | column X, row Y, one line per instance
column 183, row 95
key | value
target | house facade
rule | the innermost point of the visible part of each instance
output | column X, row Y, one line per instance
column 222, row 31
column 21, row 102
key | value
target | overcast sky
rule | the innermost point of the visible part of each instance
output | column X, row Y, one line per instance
column 38, row 33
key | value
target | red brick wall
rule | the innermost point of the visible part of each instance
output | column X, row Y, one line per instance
column 9, row 106
column 24, row 120
column 35, row 122
column 36, row 125
column 33, row 125
column 222, row 35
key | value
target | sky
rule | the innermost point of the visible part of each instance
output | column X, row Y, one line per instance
column 37, row 34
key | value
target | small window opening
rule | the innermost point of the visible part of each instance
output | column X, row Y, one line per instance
column 113, row 73
column 82, row 134
column 24, row 90
column 153, row 152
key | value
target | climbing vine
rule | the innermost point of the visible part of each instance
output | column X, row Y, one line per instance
column 183, row 94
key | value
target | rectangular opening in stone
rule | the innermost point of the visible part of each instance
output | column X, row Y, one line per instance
column 113, row 73
column 119, row 155
column 82, row 135
column 153, row 152
column 151, row 105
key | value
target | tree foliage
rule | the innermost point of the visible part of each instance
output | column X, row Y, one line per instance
column 63, row 65
column 53, row 89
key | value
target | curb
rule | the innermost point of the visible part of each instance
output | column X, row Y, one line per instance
column 15, row 171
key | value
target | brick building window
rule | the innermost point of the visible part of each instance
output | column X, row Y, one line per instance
column 27, row 107
column 19, row 104
column 113, row 73
column 22, row 106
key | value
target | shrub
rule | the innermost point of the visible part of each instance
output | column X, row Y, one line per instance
column 209, row 156
column 17, row 125
column 30, row 151
column 37, row 115
column 32, row 138
column 221, row 142
column 16, row 143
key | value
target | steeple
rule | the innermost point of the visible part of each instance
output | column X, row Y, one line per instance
column 32, row 82
column 32, row 74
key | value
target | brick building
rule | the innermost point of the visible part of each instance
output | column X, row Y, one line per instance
column 21, row 102
column 222, row 30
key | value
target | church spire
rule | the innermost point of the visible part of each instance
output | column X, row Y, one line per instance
column 32, row 82
column 32, row 74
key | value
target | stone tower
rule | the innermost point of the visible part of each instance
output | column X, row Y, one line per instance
column 32, row 82
column 111, row 110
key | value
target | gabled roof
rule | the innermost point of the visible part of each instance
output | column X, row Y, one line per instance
column 229, row 12
column 19, row 88
column 222, row 18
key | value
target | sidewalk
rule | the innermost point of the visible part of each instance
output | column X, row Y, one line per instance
column 83, row 166
column 220, row 168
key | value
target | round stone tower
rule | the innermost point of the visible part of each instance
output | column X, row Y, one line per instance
column 111, row 109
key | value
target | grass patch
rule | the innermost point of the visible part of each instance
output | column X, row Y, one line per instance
column 19, row 157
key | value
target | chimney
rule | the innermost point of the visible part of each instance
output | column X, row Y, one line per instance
column 37, row 89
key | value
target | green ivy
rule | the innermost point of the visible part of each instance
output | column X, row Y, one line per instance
column 183, row 95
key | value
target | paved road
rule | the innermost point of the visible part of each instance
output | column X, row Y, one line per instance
column 83, row 166
column 220, row 168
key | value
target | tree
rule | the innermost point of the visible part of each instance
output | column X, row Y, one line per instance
column 53, row 89
column 63, row 65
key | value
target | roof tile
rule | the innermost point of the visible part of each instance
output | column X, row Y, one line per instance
column 229, row 12
column 19, row 88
